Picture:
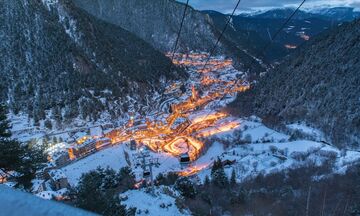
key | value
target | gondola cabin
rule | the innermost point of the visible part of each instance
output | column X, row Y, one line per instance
column 184, row 159
column 146, row 174
column 133, row 145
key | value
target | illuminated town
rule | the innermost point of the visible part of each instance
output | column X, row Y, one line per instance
column 196, row 116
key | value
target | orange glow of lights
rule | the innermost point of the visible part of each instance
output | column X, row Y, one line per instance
column 305, row 37
column 193, row 170
column 288, row 46
column 71, row 154
column 220, row 129
column 137, row 185
column 206, row 117
column 178, row 137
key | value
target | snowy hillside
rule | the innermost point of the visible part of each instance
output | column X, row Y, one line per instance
column 163, row 202
column 267, row 151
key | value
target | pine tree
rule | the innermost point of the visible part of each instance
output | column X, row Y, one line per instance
column 54, row 140
column 45, row 142
column 97, row 191
column 233, row 178
column 56, row 115
column 217, row 164
column 48, row 124
column 186, row 187
column 207, row 180
column 18, row 157
column 218, row 176
column 33, row 160
column 126, row 177
column 160, row 179
column 10, row 151
column 4, row 124
column 183, row 88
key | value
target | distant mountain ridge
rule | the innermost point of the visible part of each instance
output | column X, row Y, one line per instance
column 319, row 84
column 254, row 31
column 340, row 14
column 284, row 13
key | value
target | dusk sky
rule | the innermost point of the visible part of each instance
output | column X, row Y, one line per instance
column 226, row 6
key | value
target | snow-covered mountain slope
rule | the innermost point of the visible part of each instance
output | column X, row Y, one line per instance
column 57, row 58
column 319, row 84
column 338, row 13
column 158, row 23
column 254, row 31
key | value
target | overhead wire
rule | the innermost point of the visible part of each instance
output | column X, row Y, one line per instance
column 273, row 37
column 221, row 34
column 180, row 29
column 217, row 42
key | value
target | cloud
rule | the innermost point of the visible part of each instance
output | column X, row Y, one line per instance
column 227, row 5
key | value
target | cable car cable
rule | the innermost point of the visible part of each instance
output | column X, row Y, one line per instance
column 273, row 37
column 181, row 26
column 222, row 33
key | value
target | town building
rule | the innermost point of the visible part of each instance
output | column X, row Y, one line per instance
column 58, row 179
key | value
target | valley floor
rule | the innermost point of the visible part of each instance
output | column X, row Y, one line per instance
column 245, row 145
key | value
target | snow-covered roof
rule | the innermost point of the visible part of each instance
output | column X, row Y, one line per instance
column 48, row 195
column 79, row 135
column 87, row 142
column 57, row 148
column 103, row 139
column 57, row 155
column 96, row 131
column 3, row 174
column 57, row 174
column 36, row 184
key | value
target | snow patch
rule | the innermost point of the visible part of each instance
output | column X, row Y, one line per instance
column 147, row 204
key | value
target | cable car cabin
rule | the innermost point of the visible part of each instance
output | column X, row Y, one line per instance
column 133, row 145
column 146, row 174
column 184, row 158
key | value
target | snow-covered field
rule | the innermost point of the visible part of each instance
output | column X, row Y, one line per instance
column 250, row 160
column 161, row 203
column 269, row 151
column 112, row 157
column 307, row 130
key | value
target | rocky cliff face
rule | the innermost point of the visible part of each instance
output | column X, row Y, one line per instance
column 156, row 21
column 319, row 84
column 56, row 59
